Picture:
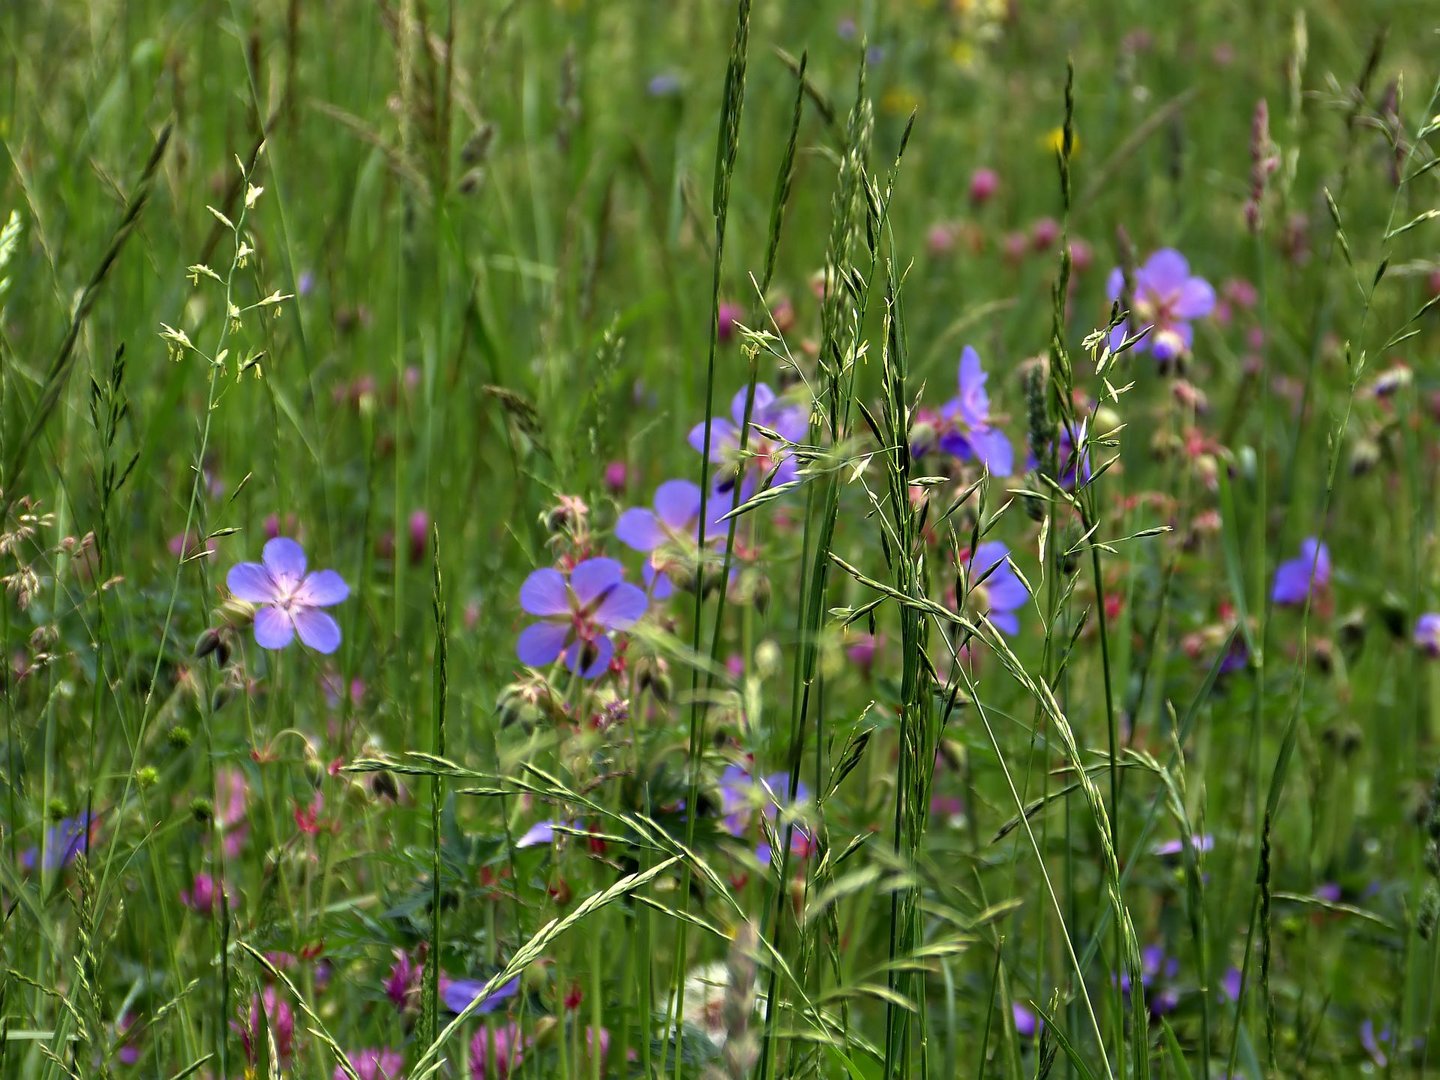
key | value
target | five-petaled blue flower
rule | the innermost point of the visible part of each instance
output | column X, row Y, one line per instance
column 1427, row 633
column 764, row 456
column 579, row 613
column 1166, row 298
column 290, row 599
column 670, row 533
column 63, row 841
column 1296, row 578
column 967, row 432
column 996, row 594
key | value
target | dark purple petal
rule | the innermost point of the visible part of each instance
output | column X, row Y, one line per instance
column 595, row 657
column 622, row 607
column 317, row 629
column 591, row 579
column 639, row 529
column 251, row 581
column 544, row 593
column 724, row 436
column 273, row 629
column 1164, row 272
column 677, row 503
column 323, row 588
column 957, row 444
column 540, row 643
column 1196, row 300
column 284, row 559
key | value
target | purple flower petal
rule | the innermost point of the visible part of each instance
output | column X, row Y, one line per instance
column 540, row 833
column 764, row 398
column 1114, row 283
column 1316, row 557
column 273, row 629
column 677, row 503
column 595, row 657
column 544, row 593
column 1168, row 342
column 252, row 582
column 1230, row 984
column 987, row 555
column 657, row 581
column 639, row 529
column 284, row 559
column 1120, row 333
column 1005, row 622
column 1005, row 591
column 1196, row 300
column 957, row 443
column 317, row 629
column 972, row 374
column 591, row 579
column 992, row 449
column 1164, row 272
column 459, row 993
column 724, row 436
column 323, row 588
column 540, row 643
column 622, row 607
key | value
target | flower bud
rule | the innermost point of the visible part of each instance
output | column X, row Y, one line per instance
column 984, row 183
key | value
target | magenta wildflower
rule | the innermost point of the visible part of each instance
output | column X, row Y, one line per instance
column 967, row 432
column 493, row 1054
column 728, row 319
column 983, row 185
column 998, row 594
column 1296, row 578
column 376, row 1063
column 580, row 613
column 1166, row 298
column 200, row 897
column 290, row 599
column 404, row 980
column 763, row 456
column 1427, row 633
column 267, row 1010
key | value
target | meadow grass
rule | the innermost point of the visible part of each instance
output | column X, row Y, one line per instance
column 686, row 681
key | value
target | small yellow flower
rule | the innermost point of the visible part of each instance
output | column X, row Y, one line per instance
column 900, row 101
column 963, row 55
column 1054, row 141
